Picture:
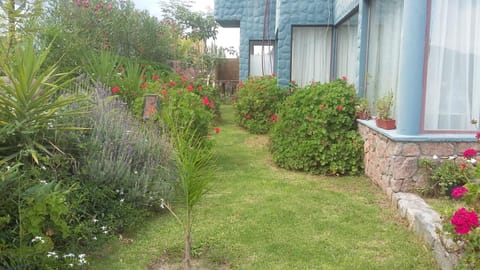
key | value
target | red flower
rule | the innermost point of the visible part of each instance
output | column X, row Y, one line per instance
column 164, row 92
column 144, row 86
column 172, row 83
column 469, row 153
column 459, row 192
column 240, row 84
column 463, row 166
column 115, row 89
column 143, row 77
column 478, row 136
column 339, row 108
column 184, row 79
column 217, row 130
column 344, row 78
column 155, row 78
column 190, row 88
column 464, row 220
column 274, row 118
column 206, row 101
column 248, row 116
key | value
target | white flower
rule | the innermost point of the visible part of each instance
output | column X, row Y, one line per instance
column 52, row 254
column 38, row 239
column 94, row 220
column 94, row 238
column 473, row 161
column 162, row 203
column 70, row 264
column 452, row 157
column 103, row 228
column 121, row 200
column 43, row 182
column 105, row 232
column 135, row 172
column 69, row 255
column 8, row 168
column 435, row 157
column 43, row 168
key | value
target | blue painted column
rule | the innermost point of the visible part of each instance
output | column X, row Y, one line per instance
column 362, row 55
column 409, row 94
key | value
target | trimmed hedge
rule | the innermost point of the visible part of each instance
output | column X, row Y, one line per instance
column 316, row 131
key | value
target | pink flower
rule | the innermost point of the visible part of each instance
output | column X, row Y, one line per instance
column 115, row 89
column 344, row 78
column 274, row 118
column 459, row 192
column 464, row 220
column 469, row 153
column 109, row 7
column 478, row 136
column 217, row 130
column 206, row 101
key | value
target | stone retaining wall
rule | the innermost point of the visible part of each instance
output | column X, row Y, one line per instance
column 393, row 165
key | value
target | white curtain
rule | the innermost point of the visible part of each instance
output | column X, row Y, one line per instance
column 384, row 47
column 311, row 54
column 453, row 76
column 347, row 49
column 257, row 56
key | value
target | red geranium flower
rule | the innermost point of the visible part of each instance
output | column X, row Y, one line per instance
column 206, row 101
column 155, row 78
column 143, row 77
column 248, row 116
column 172, row 83
column 115, row 89
column 190, row 88
column 144, row 86
column 478, row 136
column 217, row 130
column 164, row 92
column 184, row 79
column 464, row 220
column 459, row 192
column 240, row 84
column 339, row 108
column 469, row 153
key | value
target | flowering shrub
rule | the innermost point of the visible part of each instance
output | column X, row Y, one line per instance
column 257, row 103
column 445, row 174
column 316, row 131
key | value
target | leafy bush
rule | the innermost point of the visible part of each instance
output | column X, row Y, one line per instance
column 257, row 103
column 316, row 131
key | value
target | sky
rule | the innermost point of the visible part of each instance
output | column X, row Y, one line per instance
column 226, row 37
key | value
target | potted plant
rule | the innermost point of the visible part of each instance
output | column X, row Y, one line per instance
column 384, row 107
column 362, row 110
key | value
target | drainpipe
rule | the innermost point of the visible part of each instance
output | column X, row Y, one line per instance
column 412, row 48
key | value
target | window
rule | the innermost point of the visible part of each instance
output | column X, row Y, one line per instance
column 347, row 49
column 261, row 58
column 453, row 66
column 311, row 54
column 384, row 38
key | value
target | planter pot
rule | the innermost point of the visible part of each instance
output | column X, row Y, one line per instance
column 385, row 123
column 363, row 115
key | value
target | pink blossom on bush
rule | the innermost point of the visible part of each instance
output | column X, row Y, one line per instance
column 464, row 220
column 470, row 153
column 459, row 192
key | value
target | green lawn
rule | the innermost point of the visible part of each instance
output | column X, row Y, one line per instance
column 257, row 216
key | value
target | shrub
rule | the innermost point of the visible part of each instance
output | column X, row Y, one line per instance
column 316, row 131
column 257, row 103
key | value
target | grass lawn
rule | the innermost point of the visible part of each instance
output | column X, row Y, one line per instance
column 257, row 216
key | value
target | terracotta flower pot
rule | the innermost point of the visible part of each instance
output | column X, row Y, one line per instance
column 363, row 115
column 385, row 123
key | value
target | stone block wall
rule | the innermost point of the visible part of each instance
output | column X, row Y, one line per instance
column 393, row 165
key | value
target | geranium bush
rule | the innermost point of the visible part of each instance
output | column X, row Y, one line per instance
column 257, row 103
column 316, row 131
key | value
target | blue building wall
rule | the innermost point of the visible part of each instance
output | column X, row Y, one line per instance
column 343, row 8
column 301, row 12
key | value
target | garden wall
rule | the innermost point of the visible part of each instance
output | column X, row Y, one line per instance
column 392, row 163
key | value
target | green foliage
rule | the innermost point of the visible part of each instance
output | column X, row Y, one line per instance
column 445, row 174
column 384, row 106
column 31, row 104
column 257, row 103
column 189, row 111
column 316, row 131
column 100, row 67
